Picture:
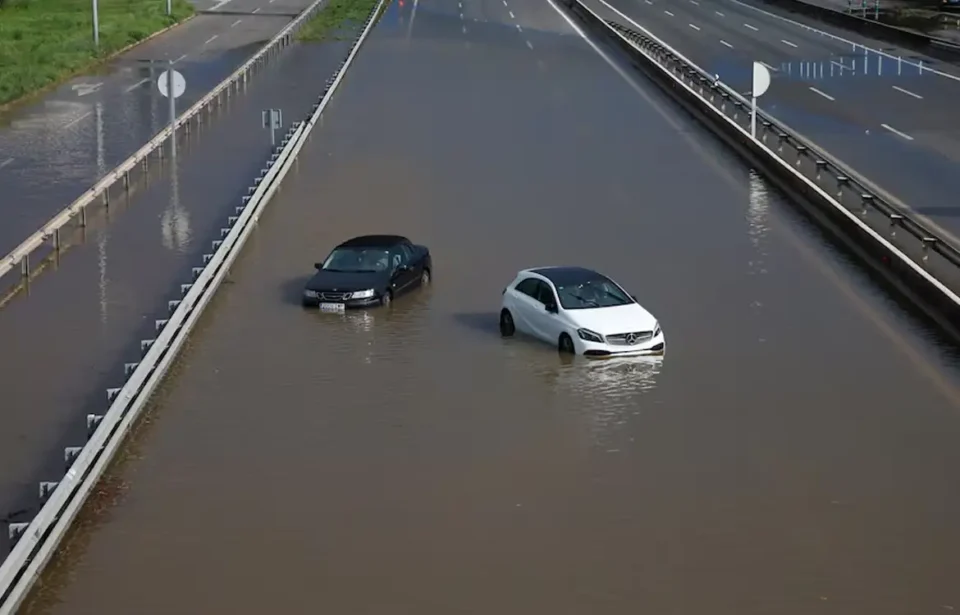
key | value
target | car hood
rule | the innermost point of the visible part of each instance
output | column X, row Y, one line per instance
column 613, row 320
column 346, row 281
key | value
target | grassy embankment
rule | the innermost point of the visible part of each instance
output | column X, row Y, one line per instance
column 336, row 17
column 43, row 42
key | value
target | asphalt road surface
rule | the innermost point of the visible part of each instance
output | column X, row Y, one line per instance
column 794, row 451
column 67, row 340
column 53, row 150
column 885, row 115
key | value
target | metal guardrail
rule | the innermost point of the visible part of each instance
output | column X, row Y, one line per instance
column 51, row 231
column 903, row 236
column 911, row 39
column 37, row 541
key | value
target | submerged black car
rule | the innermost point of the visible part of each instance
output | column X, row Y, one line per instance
column 367, row 271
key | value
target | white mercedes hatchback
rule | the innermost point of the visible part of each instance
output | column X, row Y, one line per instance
column 578, row 311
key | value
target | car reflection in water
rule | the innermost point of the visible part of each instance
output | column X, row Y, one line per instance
column 604, row 394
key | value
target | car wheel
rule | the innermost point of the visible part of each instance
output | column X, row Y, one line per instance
column 386, row 298
column 507, row 327
column 425, row 278
column 565, row 345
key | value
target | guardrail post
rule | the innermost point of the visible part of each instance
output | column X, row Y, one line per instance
column 866, row 201
column 70, row 455
column 15, row 531
column 126, row 180
column 93, row 421
column 25, row 265
column 766, row 128
column 821, row 165
column 83, row 215
column 46, row 488
column 927, row 242
column 801, row 151
column 842, row 180
column 895, row 220
column 781, row 137
column 56, row 239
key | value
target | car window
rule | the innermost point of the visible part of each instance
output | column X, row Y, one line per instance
column 545, row 294
column 407, row 253
column 592, row 293
column 529, row 287
column 357, row 259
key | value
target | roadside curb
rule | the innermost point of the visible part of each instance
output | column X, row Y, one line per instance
column 27, row 98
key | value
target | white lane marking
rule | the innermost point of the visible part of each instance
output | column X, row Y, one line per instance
column 529, row 44
column 219, row 4
column 519, row 29
column 719, row 14
column 669, row 13
column 847, row 41
column 461, row 15
column 648, row 1
column 211, row 39
column 754, row 28
column 82, row 117
column 256, row 10
column 697, row 28
column 897, row 132
column 136, row 85
column 786, row 42
column 236, row 23
column 825, row 95
column 504, row 2
column 512, row 16
column 6, row 162
column 178, row 59
column 725, row 43
column 907, row 92
column 464, row 29
column 694, row 2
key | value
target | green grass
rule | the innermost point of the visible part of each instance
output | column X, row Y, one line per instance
column 334, row 17
column 42, row 42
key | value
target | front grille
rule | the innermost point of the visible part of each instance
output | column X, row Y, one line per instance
column 636, row 337
column 330, row 296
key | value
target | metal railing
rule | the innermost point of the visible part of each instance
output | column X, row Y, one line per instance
column 76, row 212
column 927, row 252
column 36, row 541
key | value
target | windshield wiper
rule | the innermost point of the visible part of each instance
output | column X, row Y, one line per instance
column 617, row 297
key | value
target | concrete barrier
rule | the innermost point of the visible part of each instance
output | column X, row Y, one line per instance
column 907, row 255
column 37, row 541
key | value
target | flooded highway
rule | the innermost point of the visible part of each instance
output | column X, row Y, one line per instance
column 795, row 450
column 79, row 324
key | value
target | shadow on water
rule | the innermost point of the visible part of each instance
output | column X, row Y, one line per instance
column 291, row 290
column 479, row 322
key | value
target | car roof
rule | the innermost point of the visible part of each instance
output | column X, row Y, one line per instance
column 374, row 241
column 561, row 276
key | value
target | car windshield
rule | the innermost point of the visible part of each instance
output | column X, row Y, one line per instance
column 358, row 260
column 591, row 293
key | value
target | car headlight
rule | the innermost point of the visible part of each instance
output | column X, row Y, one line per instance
column 310, row 294
column 362, row 294
column 656, row 330
column 590, row 336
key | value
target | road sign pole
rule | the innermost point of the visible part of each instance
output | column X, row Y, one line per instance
column 96, row 24
column 761, row 81
column 173, row 110
column 169, row 7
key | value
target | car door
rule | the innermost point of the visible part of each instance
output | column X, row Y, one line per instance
column 413, row 260
column 525, row 304
column 404, row 276
column 549, row 323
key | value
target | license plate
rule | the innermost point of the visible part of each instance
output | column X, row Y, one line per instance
column 332, row 307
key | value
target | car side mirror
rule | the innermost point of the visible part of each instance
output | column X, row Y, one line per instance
column 318, row 266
